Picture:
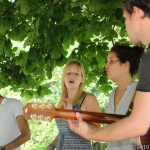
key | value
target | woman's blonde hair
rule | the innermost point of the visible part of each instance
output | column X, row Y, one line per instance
column 64, row 93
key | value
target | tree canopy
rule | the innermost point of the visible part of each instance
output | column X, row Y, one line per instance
column 53, row 32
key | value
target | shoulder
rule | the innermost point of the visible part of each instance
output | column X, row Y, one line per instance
column 12, row 101
column 91, row 103
column 132, row 85
column 14, row 106
column 90, row 97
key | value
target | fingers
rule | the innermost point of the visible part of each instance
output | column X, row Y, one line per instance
column 79, row 117
column 74, row 124
column 71, row 124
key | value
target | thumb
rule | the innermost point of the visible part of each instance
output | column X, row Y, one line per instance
column 79, row 117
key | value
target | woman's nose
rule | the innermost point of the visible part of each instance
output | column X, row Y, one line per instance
column 106, row 65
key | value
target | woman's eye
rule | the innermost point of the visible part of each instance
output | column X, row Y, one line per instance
column 76, row 74
column 109, row 61
column 69, row 73
column 72, row 73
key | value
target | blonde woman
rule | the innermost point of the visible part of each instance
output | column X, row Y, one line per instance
column 74, row 94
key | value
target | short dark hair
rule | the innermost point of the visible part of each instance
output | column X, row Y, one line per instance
column 130, row 54
column 142, row 4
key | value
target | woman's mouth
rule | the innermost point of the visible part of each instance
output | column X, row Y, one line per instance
column 71, row 81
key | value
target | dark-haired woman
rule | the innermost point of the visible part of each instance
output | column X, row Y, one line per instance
column 122, row 64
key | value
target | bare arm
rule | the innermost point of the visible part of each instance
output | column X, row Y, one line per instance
column 136, row 124
column 91, row 104
column 24, row 133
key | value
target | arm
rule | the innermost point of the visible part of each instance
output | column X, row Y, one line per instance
column 132, row 126
column 91, row 104
column 24, row 133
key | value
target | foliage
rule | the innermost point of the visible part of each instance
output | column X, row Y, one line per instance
column 42, row 133
column 56, row 31
column 99, row 146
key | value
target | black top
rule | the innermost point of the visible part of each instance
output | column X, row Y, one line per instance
column 144, row 73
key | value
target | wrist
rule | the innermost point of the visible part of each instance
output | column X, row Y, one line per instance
column 2, row 148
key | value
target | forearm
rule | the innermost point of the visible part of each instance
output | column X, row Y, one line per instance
column 113, row 132
column 123, row 129
column 18, row 141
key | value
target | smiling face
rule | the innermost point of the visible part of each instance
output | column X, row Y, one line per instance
column 73, row 77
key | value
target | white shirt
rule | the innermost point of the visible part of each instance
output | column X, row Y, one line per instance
column 9, row 110
column 121, row 109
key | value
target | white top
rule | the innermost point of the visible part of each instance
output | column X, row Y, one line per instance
column 9, row 110
column 121, row 109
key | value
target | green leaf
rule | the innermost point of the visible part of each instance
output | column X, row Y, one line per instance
column 43, row 90
column 26, row 93
column 2, row 27
column 32, row 54
column 24, row 7
column 31, row 65
column 18, row 33
column 49, row 69
column 8, row 48
column 1, row 47
column 56, row 52
column 7, row 24
column 96, row 5
column 25, row 71
column 21, row 59
column 122, row 32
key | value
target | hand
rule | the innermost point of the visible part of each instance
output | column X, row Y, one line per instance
column 67, row 104
column 82, row 128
